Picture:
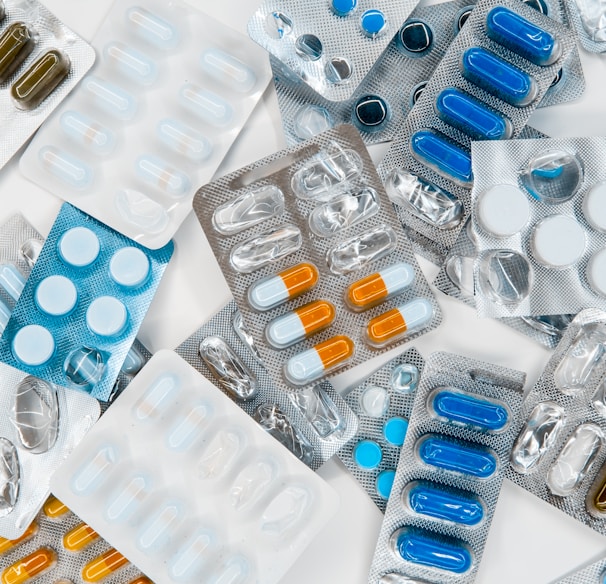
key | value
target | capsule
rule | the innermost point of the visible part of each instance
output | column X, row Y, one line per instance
column 462, row 111
column 521, row 36
column 377, row 287
column 446, row 158
column 87, row 132
column 103, row 565
column 111, row 98
column 208, row 106
column 309, row 365
column 16, row 43
column 184, row 140
column 2, row 11
column 228, row 70
column 54, row 508
column 8, row 544
column 151, row 28
column 162, row 175
column 30, row 566
column 79, row 537
column 299, row 324
column 11, row 280
column 399, row 321
column 131, row 63
column 286, row 285
column 498, row 77
column 141, row 580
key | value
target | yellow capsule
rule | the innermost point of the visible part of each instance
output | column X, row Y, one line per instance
column 53, row 508
column 9, row 544
column 141, row 580
column 395, row 323
column 30, row 566
column 103, row 565
column 79, row 537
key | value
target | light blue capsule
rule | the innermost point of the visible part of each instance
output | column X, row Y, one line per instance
column 163, row 176
column 151, row 28
column 5, row 314
column 69, row 169
column 85, row 131
column 228, row 70
column 134, row 65
column 111, row 98
column 11, row 280
column 184, row 140
column 208, row 106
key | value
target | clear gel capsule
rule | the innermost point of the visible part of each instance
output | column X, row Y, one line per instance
column 67, row 168
column 32, row 565
column 376, row 288
column 104, row 565
column 11, row 280
column 152, row 28
column 206, row 105
column 184, row 140
column 16, row 44
column 111, row 98
column 228, row 70
column 132, row 64
column 312, row 364
column 299, row 324
column 87, row 132
column 8, row 544
column 161, row 174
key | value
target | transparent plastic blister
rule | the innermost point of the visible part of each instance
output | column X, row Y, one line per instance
column 196, row 491
column 318, row 304
column 170, row 93
column 82, row 305
column 589, row 20
column 481, row 90
column 546, row 254
column 450, row 472
column 136, row 358
column 313, row 424
column 42, row 61
column 383, row 403
column 593, row 573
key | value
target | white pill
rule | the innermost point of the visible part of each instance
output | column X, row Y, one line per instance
column 558, row 241
column 594, row 206
column 503, row 210
column 268, row 293
column 33, row 345
column 56, row 295
column 106, row 316
column 79, row 247
column 596, row 272
column 129, row 267
column 375, row 401
column 304, row 367
column 285, row 330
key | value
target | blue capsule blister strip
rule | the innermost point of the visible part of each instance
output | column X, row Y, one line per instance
column 452, row 464
column 382, row 402
column 82, row 343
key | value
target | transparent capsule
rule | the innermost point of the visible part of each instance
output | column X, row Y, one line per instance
column 319, row 410
column 538, row 435
column 504, row 276
column 228, row 70
column 244, row 335
column 111, row 98
column 184, row 431
column 93, row 473
column 85, row 131
column 404, row 378
column 206, row 105
column 16, row 44
column 69, row 169
column 248, row 209
column 550, row 324
column 378, row 287
column 157, row 172
column 152, row 28
column 158, row 397
column 132, row 64
column 29, row 567
column 184, row 140
column 228, row 369
column 7, row 545
column 139, row 210
column 102, row 566
column 10, row 476
column 311, row 120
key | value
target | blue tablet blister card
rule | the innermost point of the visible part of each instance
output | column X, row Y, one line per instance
column 82, row 305
column 452, row 464
column 383, row 403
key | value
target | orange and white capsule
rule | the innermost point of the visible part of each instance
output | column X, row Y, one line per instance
column 377, row 287
column 395, row 323
column 288, row 284
column 8, row 544
column 30, row 566
column 104, row 565
column 79, row 537
column 309, row 365
column 54, row 508
column 294, row 326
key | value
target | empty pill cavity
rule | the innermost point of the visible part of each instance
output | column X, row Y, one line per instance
column 404, row 378
column 158, row 397
column 252, row 482
column 140, row 211
column 85, row 366
column 188, row 427
column 89, row 477
column 79, row 247
column 127, row 499
column 235, row 570
column 285, row 511
column 220, row 453
column 311, row 120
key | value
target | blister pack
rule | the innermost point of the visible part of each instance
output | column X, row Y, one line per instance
column 310, row 247
column 313, row 423
column 171, row 91
column 587, row 16
column 539, row 214
column 330, row 45
column 195, row 491
column 490, row 80
column 559, row 454
column 594, row 573
column 136, row 358
column 383, row 404
column 82, row 305
column 450, row 472
column 58, row 548
column 41, row 61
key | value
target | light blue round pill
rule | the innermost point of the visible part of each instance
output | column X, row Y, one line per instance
column 79, row 247
column 129, row 267
column 372, row 22
column 56, row 295
column 106, row 316
column 343, row 7
column 384, row 483
column 33, row 345
column 394, row 430
column 367, row 454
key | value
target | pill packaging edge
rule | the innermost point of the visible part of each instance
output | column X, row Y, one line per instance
column 583, row 36
column 590, row 574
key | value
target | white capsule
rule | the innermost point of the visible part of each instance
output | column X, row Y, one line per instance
column 66, row 167
column 184, row 140
column 151, row 28
column 131, row 63
column 228, row 70
column 160, row 174
column 111, row 98
column 87, row 132
column 208, row 106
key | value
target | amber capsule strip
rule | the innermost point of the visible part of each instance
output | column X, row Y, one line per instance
column 30, row 566
column 16, row 43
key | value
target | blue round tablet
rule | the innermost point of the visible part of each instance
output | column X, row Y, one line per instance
column 394, row 430
column 343, row 7
column 373, row 23
column 384, row 483
column 367, row 454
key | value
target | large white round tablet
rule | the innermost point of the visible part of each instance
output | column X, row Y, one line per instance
column 33, row 345
column 558, row 241
column 106, row 316
column 129, row 267
column 594, row 206
column 596, row 272
column 503, row 210
column 79, row 247
column 56, row 295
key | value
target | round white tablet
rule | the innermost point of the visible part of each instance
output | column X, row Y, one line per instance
column 594, row 206
column 33, row 345
column 56, row 295
column 375, row 401
column 79, row 247
column 106, row 316
column 129, row 267
column 596, row 272
column 503, row 210
column 558, row 241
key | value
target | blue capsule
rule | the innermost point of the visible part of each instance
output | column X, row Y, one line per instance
column 521, row 36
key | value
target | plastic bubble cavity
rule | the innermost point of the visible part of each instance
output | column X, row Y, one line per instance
column 35, row 414
column 187, row 428
column 206, row 105
column 10, row 476
column 228, row 369
column 111, row 98
column 151, row 28
column 244, row 335
column 157, row 398
column 220, row 453
column 553, row 177
column 132, row 64
column 235, row 570
column 285, row 511
column 311, row 120
column 139, row 210
column 338, row 70
column 157, row 530
column 84, row 367
column 404, row 378
column 89, row 477
column 308, row 47
column 160, row 174
column 87, row 132
column 249, row 209
column 228, row 70
column 319, row 410
column 186, row 563
column 252, row 483
column 459, row 269
column 127, row 499
column 184, row 140
column 278, row 25
column 549, row 324
column 538, row 435
column 67, row 168
column 30, row 250
column 393, row 578
column 504, row 276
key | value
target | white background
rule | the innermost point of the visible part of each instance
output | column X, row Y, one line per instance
column 529, row 541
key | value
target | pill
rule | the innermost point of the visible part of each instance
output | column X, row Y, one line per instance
column 159, row 173
column 66, row 167
column 184, row 140
column 132, row 64
column 274, row 290
column 374, row 401
column 416, row 37
column 521, row 36
column 56, row 295
column 315, row 362
column 394, row 430
column 377, row 287
column 343, row 7
column 5, row 315
column 443, row 156
column 373, row 23
column 462, row 111
column 384, row 483
column 129, row 267
column 456, row 456
column 370, row 112
column 152, row 28
column 88, row 478
column 228, row 70
column 558, row 241
column 111, row 98
column 498, row 77
column 33, row 345
column 398, row 321
column 40, row 79
column 464, row 408
column 103, row 565
column 77, row 538
column 106, row 316
column 596, row 272
column 141, row 580
column 442, row 503
column 30, row 566
column 594, row 206
column 208, row 106
column 79, row 247
column 8, row 544
column 503, row 210
column 16, row 43
column 54, row 508
column 367, row 454
column 299, row 324
column 87, row 132
column 11, row 280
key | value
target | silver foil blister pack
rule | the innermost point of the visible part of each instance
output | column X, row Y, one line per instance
column 593, row 573
column 312, row 251
column 450, row 472
column 313, row 423
column 589, row 20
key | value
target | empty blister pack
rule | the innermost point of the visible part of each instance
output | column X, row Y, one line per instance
column 310, row 246
column 588, row 18
column 58, row 548
column 195, row 491
column 82, row 305
column 492, row 77
column 170, row 93
column 540, row 221
column 313, row 423
column 383, row 404
column 41, row 60
column 450, row 472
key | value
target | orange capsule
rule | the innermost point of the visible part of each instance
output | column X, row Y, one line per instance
column 377, row 287
column 30, row 566
column 103, row 565
column 288, row 284
column 9, row 544
column 394, row 323
column 141, row 580
column 53, row 508
column 79, row 537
